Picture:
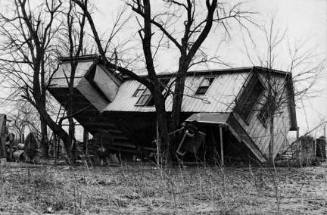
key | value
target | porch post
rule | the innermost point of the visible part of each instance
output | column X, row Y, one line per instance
column 85, row 140
column 221, row 145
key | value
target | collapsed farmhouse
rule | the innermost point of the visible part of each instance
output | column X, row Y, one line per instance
column 228, row 107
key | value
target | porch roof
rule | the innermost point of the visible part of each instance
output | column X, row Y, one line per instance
column 209, row 118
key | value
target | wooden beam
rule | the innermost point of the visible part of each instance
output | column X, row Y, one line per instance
column 85, row 140
column 221, row 145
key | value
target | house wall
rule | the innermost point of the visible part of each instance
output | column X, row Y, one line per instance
column 259, row 133
column 106, row 82
column 62, row 75
column 85, row 88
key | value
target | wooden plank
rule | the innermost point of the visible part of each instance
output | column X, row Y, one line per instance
column 221, row 145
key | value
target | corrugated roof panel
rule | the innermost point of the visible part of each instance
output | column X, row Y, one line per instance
column 219, row 97
column 209, row 118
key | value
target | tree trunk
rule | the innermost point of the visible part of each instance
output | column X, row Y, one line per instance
column 44, row 132
column 271, row 142
column 58, row 130
column 44, row 138
column 162, row 123
column 70, row 110
column 177, row 102
column 71, row 134
column 176, row 110
column 85, row 140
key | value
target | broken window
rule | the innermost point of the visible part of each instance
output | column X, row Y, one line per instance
column 264, row 112
column 249, row 97
column 205, row 84
column 141, row 88
column 146, row 98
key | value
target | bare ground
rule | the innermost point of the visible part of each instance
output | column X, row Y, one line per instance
column 144, row 189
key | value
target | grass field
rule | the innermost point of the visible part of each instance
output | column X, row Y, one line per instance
column 144, row 189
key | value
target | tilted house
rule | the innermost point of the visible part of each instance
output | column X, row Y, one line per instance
column 228, row 105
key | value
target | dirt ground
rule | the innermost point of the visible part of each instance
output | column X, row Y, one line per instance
column 145, row 189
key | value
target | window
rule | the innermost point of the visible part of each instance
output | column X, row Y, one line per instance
column 141, row 88
column 146, row 98
column 205, row 84
column 246, row 103
column 264, row 112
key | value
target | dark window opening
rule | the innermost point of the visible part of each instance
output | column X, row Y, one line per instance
column 146, row 98
column 204, row 86
column 264, row 114
column 141, row 88
column 249, row 97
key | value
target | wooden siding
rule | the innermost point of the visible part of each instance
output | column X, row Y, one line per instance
column 260, row 134
column 220, row 96
column 238, row 130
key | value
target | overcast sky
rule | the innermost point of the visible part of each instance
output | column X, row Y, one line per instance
column 305, row 23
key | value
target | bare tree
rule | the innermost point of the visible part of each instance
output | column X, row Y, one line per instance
column 25, row 117
column 29, row 57
column 72, row 46
column 195, row 30
column 194, row 33
column 301, row 72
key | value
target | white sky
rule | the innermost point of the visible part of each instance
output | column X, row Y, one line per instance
column 305, row 20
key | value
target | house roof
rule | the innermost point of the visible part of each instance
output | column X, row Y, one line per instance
column 215, row 72
column 220, row 96
column 209, row 118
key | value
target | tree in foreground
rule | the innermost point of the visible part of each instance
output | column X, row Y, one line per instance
column 195, row 22
column 29, row 58
column 302, row 70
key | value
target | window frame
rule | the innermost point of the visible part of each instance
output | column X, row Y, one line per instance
column 264, row 118
column 139, row 91
column 146, row 98
column 263, row 114
column 244, row 112
column 203, row 89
